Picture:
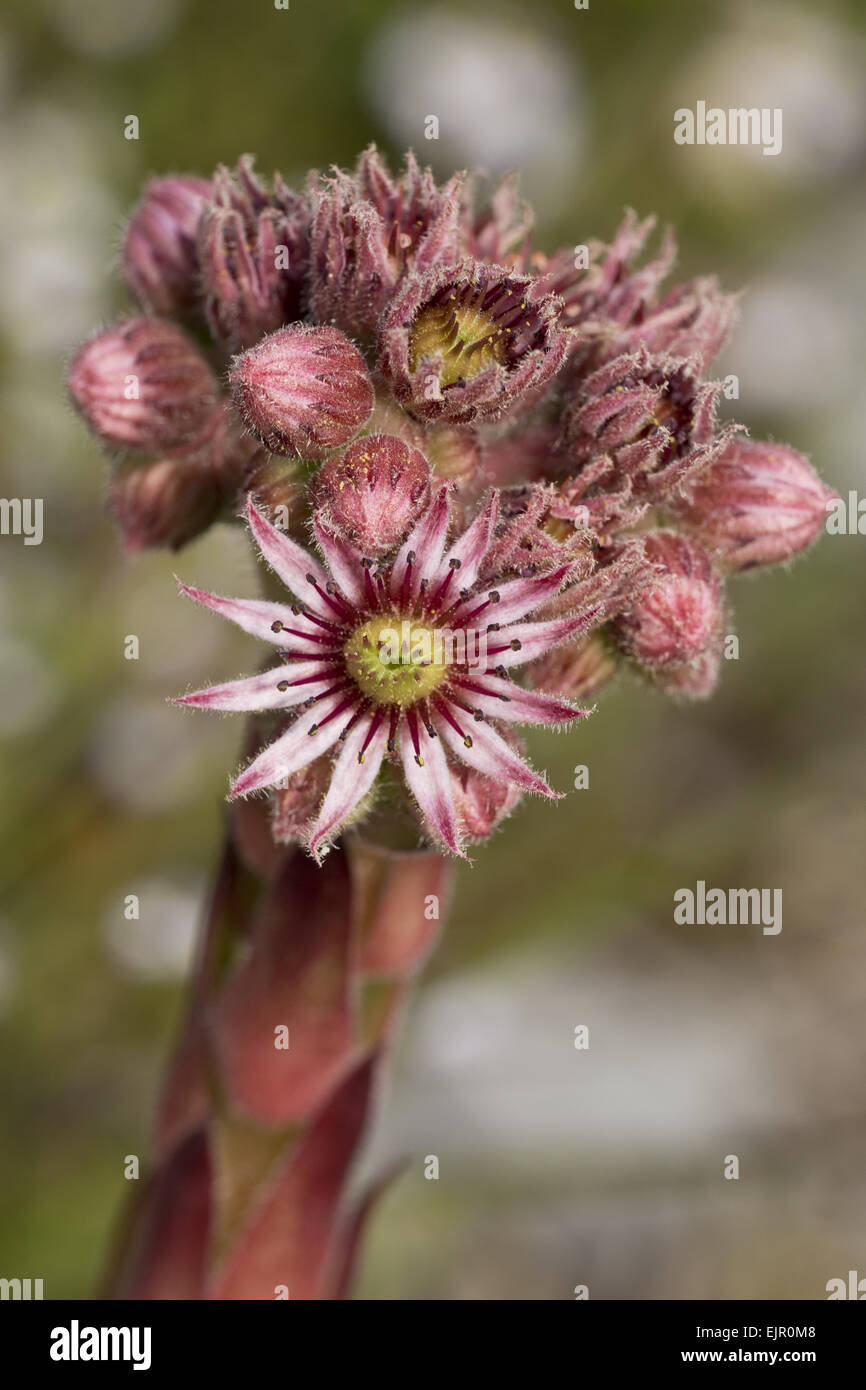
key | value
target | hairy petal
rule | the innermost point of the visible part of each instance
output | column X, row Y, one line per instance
column 260, row 692
column 343, row 562
column 491, row 755
column 514, row 705
column 290, row 561
column 256, row 616
column 535, row 638
column 474, row 544
column 293, row 750
column 431, row 787
column 426, row 541
column 516, row 598
column 350, row 782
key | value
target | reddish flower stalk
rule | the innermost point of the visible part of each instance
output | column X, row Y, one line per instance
column 254, row 1140
column 486, row 479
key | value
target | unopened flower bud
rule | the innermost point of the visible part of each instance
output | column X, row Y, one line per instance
column 652, row 416
column 143, row 385
column 303, row 391
column 370, row 229
column 253, row 250
column 693, row 320
column 677, row 614
column 159, row 251
column 373, row 494
column 164, row 503
column 757, row 504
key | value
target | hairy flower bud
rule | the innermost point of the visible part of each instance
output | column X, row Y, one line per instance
column 470, row 342
column 143, row 385
column 369, row 229
column 504, row 224
column 692, row 320
column 758, row 504
column 606, row 288
column 303, row 390
column 374, row 493
column 164, row 503
column 159, row 250
column 619, row 309
column 677, row 615
column 253, row 251
column 650, row 418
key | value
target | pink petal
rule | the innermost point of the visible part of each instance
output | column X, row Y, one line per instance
column 474, row 544
column 255, row 616
column 294, row 749
column 291, row 562
column 521, row 706
column 262, row 692
column 427, row 542
column 517, row 597
column 343, row 561
column 351, row 779
column 431, row 786
column 535, row 639
column 491, row 755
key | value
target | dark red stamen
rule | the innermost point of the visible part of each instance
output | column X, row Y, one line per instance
column 447, row 715
column 412, row 721
column 392, row 730
column 479, row 689
column 347, row 704
column 371, row 733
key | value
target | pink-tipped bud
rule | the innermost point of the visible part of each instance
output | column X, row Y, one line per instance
column 372, row 494
column 160, row 262
column 303, row 391
column 143, row 385
column 677, row 615
column 164, row 503
column 758, row 504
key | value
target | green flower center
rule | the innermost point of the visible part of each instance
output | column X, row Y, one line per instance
column 463, row 335
column 396, row 661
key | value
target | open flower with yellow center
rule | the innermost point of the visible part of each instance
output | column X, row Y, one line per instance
column 406, row 658
column 471, row 342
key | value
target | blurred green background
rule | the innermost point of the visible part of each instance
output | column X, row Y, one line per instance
column 558, row 1167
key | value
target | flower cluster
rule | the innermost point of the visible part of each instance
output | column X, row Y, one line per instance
column 502, row 460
